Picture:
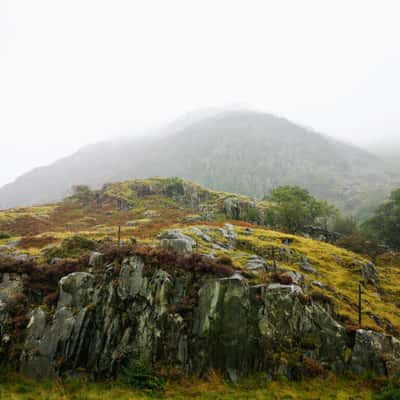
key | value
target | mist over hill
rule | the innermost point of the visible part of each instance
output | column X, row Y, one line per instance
column 240, row 151
column 387, row 149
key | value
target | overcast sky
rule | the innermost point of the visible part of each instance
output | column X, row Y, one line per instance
column 78, row 71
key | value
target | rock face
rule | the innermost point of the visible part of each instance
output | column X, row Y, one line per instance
column 194, row 323
column 236, row 208
column 11, row 287
column 376, row 352
column 177, row 241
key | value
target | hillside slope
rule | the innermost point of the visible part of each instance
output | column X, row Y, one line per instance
column 144, row 208
column 190, row 285
column 244, row 152
column 388, row 150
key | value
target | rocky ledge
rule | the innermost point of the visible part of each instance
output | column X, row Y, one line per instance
column 189, row 321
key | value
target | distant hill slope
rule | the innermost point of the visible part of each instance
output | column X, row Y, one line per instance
column 388, row 150
column 239, row 151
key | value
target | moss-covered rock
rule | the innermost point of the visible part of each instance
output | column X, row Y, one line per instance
column 193, row 323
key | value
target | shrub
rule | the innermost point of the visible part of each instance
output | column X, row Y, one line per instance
column 360, row 243
column 345, row 225
column 35, row 241
column 389, row 392
column 224, row 260
column 253, row 215
column 282, row 278
column 70, row 247
column 322, row 298
column 83, row 194
column 139, row 374
column 4, row 235
column 385, row 224
column 312, row 368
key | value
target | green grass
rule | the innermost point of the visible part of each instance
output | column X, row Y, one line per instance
column 14, row 387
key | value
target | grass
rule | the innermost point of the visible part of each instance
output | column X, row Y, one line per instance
column 14, row 387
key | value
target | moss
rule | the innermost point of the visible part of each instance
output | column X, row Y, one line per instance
column 71, row 247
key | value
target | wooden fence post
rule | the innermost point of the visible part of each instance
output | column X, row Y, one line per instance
column 359, row 305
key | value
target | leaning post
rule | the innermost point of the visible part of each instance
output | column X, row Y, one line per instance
column 359, row 304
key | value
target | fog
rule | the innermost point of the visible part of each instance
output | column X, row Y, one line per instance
column 79, row 71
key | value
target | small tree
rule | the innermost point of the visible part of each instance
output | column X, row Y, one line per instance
column 295, row 208
column 360, row 243
column 385, row 224
column 82, row 193
column 139, row 374
column 345, row 225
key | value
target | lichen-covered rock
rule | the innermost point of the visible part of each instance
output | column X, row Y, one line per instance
column 96, row 259
column 11, row 287
column 229, row 233
column 306, row 266
column 235, row 208
column 193, row 323
column 369, row 273
column 376, row 352
column 76, row 290
column 256, row 264
column 177, row 241
column 202, row 235
column 96, row 327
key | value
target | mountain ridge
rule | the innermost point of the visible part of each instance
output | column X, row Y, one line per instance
column 247, row 152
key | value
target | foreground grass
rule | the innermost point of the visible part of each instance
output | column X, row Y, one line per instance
column 18, row 388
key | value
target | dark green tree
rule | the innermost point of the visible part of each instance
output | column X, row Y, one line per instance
column 294, row 208
column 345, row 225
column 385, row 224
column 83, row 194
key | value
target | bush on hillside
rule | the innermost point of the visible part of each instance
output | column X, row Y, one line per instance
column 70, row 247
column 295, row 208
column 389, row 392
column 345, row 225
column 83, row 194
column 139, row 374
column 385, row 224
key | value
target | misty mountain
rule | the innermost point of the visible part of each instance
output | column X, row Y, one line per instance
column 238, row 151
column 387, row 149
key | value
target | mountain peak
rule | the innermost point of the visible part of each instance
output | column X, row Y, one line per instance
column 237, row 150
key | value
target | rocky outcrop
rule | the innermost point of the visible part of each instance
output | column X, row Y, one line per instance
column 321, row 234
column 186, row 192
column 193, row 322
column 377, row 353
column 11, row 288
column 177, row 241
column 235, row 208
